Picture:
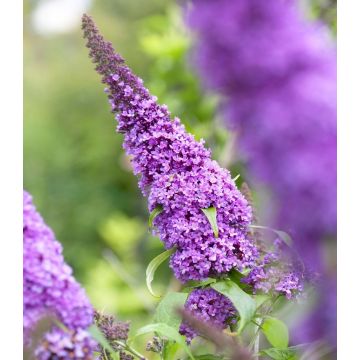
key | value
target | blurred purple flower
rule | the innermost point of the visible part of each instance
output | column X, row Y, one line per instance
column 58, row 344
column 48, row 285
column 276, row 73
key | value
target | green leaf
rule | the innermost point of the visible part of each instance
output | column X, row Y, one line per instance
column 242, row 301
column 210, row 213
column 276, row 332
column 209, row 357
column 236, row 177
column 280, row 354
column 170, row 350
column 168, row 332
column 98, row 336
column 281, row 234
column 195, row 284
column 153, row 265
column 158, row 210
column 261, row 299
column 166, row 310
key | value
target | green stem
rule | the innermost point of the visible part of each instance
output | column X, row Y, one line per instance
column 255, row 341
column 131, row 350
column 256, row 344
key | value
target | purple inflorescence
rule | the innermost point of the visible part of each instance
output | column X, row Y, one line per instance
column 59, row 344
column 178, row 174
column 209, row 306
column 179, row 177
column 48, row 285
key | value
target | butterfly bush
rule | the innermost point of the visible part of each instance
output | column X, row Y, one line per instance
column 49, row 289
column 179, row 177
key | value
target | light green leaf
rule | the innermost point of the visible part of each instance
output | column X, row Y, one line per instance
column 276, row 332
column 281, row 234
column 242, row 301
column 261, row 299
column 210, row 213
column 209, row 357
column 158, row 210
column 168, row 332
column 166, row 310
column 280, row 354
column 98, row 336
column 170, row 350
column 153, row 265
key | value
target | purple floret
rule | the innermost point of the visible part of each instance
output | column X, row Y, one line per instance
column 48, row 285
column 209, row 306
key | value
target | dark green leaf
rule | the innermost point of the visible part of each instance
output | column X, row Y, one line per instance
column 237, row 277
column 158, row 210
column 168, row 332
column 98, row 336
column 153, row 265
column 166, row 310
column 194, row 284
column 210, row 213
column 242, row 301
column 276, row 332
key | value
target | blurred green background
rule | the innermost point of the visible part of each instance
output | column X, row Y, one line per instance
column 74, row 165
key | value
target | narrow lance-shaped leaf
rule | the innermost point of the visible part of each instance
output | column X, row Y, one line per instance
column 158, row 210
column 210, row 213
column 153, row 265
column 242, row 301
column 166, row 331
column 276, row 332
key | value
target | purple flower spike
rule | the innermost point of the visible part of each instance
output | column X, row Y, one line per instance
column 179, row 177
column 177, row 173
column 49, row 287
